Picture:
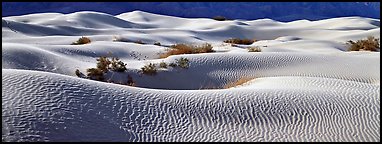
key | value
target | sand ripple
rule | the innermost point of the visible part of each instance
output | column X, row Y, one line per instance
column 40, row 106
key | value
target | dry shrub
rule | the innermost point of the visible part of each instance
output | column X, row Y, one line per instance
column 78, row 73
column 103, row 63
column 183, row 62
column 117, row 65
column 163, row 65
column 82, row 40
column 254, row 49
column 103, row 66
column 95, row 74
column 187, row 49
column 369, row 44
column 239, row 41
column 149, row 69
column 237, row 83
column 172, row 65
column 177, row 50
column 205, row 48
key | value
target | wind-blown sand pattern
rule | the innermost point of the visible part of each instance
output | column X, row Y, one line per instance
column 304, row 87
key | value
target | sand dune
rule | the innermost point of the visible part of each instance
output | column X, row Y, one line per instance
column 304, row 85
column 61, row 108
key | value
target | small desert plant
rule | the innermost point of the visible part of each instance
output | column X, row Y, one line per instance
column 172, row 65
column 163, row 65
column 219, row 18
column 149, row 69
column 254, row 49
column 82, row 40
column 187, row 49
column 117, row 65
column 205, row 48
column 237, row 83
column 79, row 74
column 369, row 44
column 239, row 41
column 103, row 63
column 95, row 74
column 182, row 62
column 157, row 43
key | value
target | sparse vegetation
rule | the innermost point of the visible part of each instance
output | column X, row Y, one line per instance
column 183, row 62
column 237, row 83
column 78, row 73
column 219, row 18
column 177, row 50
column 117, row 65
column 95, row 74
column 82, row 40
column 103, row 66
column 103, row 63
column 369, row 44
column 254, row 49
column 163, row 65
column 149, row 69
column 187, row 49
column 205, row 48
column 172, row 65
column 239, row 41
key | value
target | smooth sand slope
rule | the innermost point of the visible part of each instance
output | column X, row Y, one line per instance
column 305, row 86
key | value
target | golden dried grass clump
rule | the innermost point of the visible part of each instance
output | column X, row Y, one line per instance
column 187, row 49
column 369, row 44
column 82, row 40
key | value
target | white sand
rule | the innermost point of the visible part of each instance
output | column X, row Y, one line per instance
column 307, row 87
